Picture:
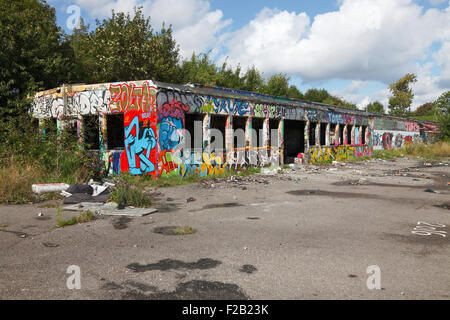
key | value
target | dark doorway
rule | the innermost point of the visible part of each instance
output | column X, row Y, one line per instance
column 312, row 133
column 323, row 131
column 341, row 134
column 294, row 139
column 218, row 124
column 239, row 132
column 91, row 132
column 257, row 132
column 193, row 124
column 363, row 138
column 349, row 134
column 273, row 132
column 114, row 131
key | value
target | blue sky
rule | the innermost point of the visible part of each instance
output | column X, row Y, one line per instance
column 352, row 48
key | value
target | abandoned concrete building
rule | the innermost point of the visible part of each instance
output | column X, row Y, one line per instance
column 148, row 127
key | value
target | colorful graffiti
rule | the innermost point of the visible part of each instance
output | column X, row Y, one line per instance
column 128, row 97
column 326, row 153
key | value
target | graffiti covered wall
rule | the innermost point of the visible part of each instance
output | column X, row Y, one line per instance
column 155, row 129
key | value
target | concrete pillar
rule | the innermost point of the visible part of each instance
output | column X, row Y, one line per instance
column 317, row 134
column 336, row 135
column 353, row 135
column 229, row 139
column 360, row 135
column 281, row 141
column 306, row 135
column 345, row 133
column 327, row 135
column 266, row 134
column 248, row 133
column 103, row 132
column 207, row 133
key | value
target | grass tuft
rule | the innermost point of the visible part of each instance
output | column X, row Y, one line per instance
column 86, row 216
column 185, row 230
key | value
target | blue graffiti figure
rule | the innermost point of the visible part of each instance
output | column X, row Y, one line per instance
column 135, row 145
column 168, row 134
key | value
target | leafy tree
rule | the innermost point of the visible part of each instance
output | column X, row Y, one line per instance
column 253, row 80
column 442, row 105
column 317, row 95
column 125, row 47
column 277, row 85
column 443, row 102
column 82, row 60
column 32, row 55
column 424, row 110
column 199, row 69
column 401, row 100
column 228, row 78
column 375, row 106
column 165, row 56
column 294, row 93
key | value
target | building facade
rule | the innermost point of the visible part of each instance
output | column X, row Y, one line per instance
column 148, row 127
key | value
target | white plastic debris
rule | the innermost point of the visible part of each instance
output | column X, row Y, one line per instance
column 49, row 187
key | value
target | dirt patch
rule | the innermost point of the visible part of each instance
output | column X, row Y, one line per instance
column 121, row 222
column 248, row 268
column 194, row 290
column 174, row 230
column 414, row 239
column 111, row 286
column 333, row 194
column 443, row 206
column 141, row 286
column 50, row 244
column 219, row 205
column 17, row 233
column 169, row 264
column 43, row 218
column 167, row 207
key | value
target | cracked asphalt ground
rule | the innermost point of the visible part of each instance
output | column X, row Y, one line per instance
column 307, row 233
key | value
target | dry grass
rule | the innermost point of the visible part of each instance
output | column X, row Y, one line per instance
column 16, row 182
column 185, row 230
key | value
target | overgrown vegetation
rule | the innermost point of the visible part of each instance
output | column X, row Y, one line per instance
column 435, row 151
column 86, row 216
column 30, row 156
column 130, row 195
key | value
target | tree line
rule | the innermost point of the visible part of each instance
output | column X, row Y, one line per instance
column 36, row 54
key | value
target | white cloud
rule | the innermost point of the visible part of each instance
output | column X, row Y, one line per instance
column 196, row 27
column 364, row 39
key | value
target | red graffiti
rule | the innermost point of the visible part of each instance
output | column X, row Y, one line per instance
column 129, row 97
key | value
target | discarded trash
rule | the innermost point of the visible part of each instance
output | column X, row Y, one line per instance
column 443, row 206
column 40, row 214
column 49, row 187
column 431, row 191
column 169, row 199
column 191, row 199
column 110, row 209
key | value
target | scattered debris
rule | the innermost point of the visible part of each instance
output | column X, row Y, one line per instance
column 248, row 268
column 40, row 214
column 431, row 191
column 443, row 206
column 49, row 187
column 50, row 244
column 110, row 209
column 169, row 199
column 191, row 199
